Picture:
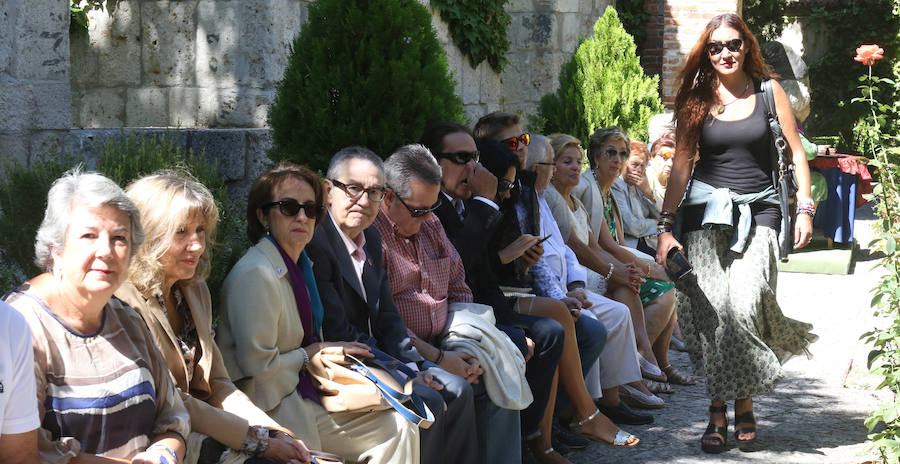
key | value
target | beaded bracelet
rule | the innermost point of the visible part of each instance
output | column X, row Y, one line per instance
column 167, row 449
column 806, row 206
column 610, row 273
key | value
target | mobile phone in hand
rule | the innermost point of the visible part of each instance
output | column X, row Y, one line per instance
column 677, row 264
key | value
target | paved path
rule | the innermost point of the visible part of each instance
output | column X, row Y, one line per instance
column 816, row 415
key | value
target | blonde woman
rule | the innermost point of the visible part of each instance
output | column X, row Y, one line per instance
column 166, row 285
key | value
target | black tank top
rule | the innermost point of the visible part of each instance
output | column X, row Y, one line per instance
column 735, row 155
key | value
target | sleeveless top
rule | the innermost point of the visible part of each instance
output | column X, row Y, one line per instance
column 581, row 227
column 735, row 155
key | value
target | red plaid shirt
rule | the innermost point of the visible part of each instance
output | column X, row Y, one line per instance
column 426, row 274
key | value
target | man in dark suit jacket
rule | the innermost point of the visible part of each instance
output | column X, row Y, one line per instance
column 470, row 218
column 359, row 306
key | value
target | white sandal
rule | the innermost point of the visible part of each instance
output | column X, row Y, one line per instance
column 634, row 397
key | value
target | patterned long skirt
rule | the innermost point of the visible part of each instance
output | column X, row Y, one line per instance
column 735, row 332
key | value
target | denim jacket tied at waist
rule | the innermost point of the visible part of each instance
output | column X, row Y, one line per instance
column 720, row 205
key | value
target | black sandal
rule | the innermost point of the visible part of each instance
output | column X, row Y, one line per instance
column 745, row 417
column 711, row 429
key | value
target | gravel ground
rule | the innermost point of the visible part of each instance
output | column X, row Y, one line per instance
column 816, row 415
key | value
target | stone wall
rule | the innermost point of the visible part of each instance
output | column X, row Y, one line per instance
column 215, row 63
column 34, row 73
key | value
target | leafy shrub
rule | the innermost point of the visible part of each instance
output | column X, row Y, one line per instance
column 23, row 199
column 765, row 18
column 602, row 85
column 361, row 72
column 132, row 157
column 834, row 78
column 478, row 28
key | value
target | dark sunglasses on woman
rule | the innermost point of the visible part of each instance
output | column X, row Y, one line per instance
column 733, row 45
column 514, row 142
column 291, row 208
column 611, row 153
column 460, row 157
column 504, row 185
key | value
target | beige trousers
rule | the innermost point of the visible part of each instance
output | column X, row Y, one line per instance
column 377, row 437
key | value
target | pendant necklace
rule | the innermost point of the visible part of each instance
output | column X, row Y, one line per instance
column 721, row 107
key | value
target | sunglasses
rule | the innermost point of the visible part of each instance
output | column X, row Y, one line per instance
column 354, row 192
column 290, row 208
column 504, row 185
column 665, row 153
column 733, row 45
column 611, row 153
column 460, row 157
column 418, row 212
column 515, row 142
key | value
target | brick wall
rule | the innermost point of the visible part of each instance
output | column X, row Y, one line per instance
column 683, row 22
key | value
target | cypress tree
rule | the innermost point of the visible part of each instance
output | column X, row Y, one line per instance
column 602, row 85
column 361, row 72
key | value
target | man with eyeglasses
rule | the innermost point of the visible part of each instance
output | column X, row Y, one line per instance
column 348, row 265
column 469, row 227
column 426, row 277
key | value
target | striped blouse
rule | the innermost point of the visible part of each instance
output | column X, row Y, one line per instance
column 107, row 393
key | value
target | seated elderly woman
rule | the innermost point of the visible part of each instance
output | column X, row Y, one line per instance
column 606, row 151
column 166, row 285
column 584, row 336
column 271, row 321
column 636, row 208
column 103, row 388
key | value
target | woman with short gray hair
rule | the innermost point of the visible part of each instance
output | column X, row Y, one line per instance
column 103, row 389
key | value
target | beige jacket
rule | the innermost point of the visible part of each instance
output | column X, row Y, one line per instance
column 260, row 334
column 217, row 408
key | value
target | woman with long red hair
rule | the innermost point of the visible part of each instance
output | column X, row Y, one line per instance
column 735, row 331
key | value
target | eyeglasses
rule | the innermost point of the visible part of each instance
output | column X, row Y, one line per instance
column 733, row 45
column 514, row 142
column 291, row 208
column 460, row 157
column 504, row 185
column 354, row 192
column 611, row 153
column 418, row 212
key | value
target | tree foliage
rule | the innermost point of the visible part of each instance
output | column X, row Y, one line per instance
column 361, row 72
column 602, row 85
column 765, row 18
column 479, row 28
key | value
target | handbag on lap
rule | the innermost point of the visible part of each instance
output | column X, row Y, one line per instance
column 349, row 384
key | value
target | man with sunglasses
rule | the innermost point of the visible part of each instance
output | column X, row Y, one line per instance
column 348, row 265
column 426, row 276
column 468, row 229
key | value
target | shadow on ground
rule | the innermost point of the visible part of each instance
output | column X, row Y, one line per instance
column 804, row 421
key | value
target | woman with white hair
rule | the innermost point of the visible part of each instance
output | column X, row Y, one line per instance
column 103, row 388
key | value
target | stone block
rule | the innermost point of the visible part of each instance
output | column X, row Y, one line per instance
column 14, row 107
column 167, row 44
column 471, row 84
column 44, row 144
column 569, row 32
column 473, row 112
column 42, row 41
column 89, row 142
column 7, row 33
column 184, row 107
column 568, row 6
column 146, row 107
column 51, row 105
column 13, row 147
column 517, row 77
column 83, row 60
column 115, row 37
column 534, row 31
column 267, row 30
column 490, row 84
column 545, row 74
column 520, row 6
column 101, row 108
column 215, row 106
column 259, row 142
column 224, row 147
column 455, row 62
column 216, row 44
column 440, row 27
